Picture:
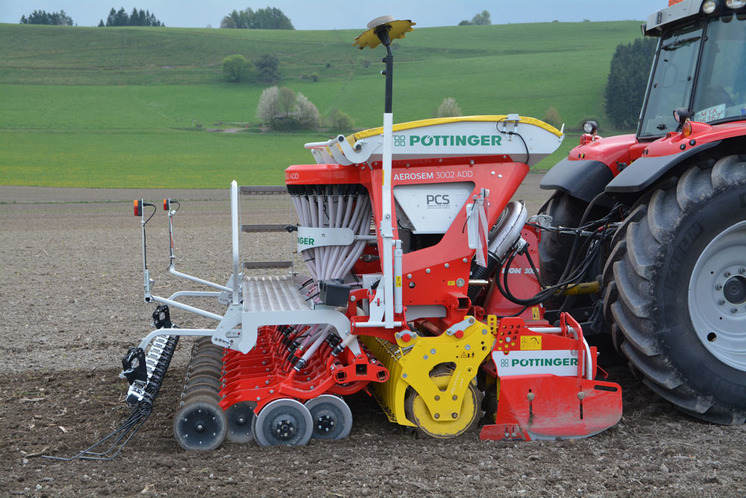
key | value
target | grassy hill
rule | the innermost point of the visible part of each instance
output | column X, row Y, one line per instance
column 120, row 107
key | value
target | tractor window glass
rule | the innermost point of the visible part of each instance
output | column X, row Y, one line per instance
column 721, row 88
column 672, row 82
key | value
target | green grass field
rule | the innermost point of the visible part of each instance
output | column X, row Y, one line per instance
column 131, row 107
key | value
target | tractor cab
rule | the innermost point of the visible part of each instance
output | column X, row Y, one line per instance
column 700, row 65
column 698, row 75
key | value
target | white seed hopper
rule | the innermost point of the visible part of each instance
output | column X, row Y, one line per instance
column 523, row 139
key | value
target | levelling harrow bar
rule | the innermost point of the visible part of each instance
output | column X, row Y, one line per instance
column 145, row 373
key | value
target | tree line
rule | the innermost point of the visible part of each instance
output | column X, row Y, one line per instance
column 136, row 18
column 51, row 18
column 115, row 18
column 482, row 19
column 269, row 18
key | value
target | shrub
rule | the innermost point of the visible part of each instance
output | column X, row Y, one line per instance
column 552, row 116
column 339, row 121
column 236, row 68
column 268, row 68
column 448, row 109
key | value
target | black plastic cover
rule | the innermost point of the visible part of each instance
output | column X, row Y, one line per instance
column 582, row 178
column 334, row 292
column 642, row 173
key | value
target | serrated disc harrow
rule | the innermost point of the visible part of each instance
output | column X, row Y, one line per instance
column 225, row 390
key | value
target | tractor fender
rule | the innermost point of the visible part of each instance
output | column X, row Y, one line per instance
column 580, row 178
column 646, row 170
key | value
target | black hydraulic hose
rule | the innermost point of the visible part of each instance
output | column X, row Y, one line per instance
column 574, row 248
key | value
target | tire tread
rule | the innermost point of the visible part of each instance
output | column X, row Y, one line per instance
column 630, row 275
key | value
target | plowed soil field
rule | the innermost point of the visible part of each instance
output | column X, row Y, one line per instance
column 71, row 304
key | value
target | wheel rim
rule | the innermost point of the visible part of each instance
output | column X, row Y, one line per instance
column 445, row 425
column 200, row 425
column 240, row 422
column 717, row 296
column 283, row 422
column 332, row 418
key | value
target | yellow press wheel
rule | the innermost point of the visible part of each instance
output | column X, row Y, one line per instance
column 444, row 425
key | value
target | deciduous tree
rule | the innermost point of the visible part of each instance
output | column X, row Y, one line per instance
column 282, row 109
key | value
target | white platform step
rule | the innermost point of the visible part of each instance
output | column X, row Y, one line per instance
column 263, row 294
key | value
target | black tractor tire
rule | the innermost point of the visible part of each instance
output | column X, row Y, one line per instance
column 675, row 288
column 555, row 248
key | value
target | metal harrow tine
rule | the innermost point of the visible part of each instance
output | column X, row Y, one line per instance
column 140, row 411
column 126, row 431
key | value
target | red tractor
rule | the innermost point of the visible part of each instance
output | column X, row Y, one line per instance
column 673, row 276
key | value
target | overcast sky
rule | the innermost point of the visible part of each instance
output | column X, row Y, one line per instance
column 337, row 14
